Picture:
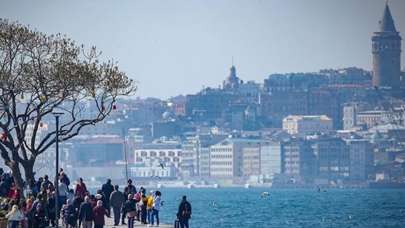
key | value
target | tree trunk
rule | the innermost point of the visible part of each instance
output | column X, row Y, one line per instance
column 15, row 171
column 29, row 173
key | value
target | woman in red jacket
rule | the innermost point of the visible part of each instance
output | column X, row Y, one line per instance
column 99, row 212
column 80, row 189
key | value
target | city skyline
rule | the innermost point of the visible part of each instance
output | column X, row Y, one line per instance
column 188, row 45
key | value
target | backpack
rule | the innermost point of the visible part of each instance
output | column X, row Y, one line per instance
column 186, row 213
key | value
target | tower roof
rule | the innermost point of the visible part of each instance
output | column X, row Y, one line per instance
column 387, row 23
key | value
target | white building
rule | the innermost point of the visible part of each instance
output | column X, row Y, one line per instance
column 163, row 153
column 226, row 159
column 153, row 171
column 235, row 158
column 297, row 124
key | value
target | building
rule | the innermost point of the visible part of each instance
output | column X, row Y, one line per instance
column 190, row 157
column 232, row 82
column 204, row 166
column 386, row 49
column 153, row 171
column 164, row 153
column 96, row 150
column 226, row 157
column 361, row 159
column 332, row 158
column 270, row 158
column 372, row 118
column 251, row 160
column 307, row 124
column 297, row 158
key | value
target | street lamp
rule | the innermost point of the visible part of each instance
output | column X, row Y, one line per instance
column 57, row 115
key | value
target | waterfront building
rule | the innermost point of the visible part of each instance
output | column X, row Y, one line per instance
column 226, row 157
column 204, row 162
column 361, row 158
column 386, row 49
column 270, row 158
column 164, row 153
column 296, row 124
column 297, row 158
column 151, row 170
column 190, row 157
column 251, row 160
column 332, row 158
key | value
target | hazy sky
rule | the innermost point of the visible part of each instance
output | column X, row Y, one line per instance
column 174, row 47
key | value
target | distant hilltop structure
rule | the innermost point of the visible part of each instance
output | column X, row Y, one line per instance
column 386, row 49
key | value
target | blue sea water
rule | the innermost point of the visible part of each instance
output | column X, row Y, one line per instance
column 239, row 207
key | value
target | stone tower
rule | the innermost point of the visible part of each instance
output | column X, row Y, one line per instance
column 232, row 81
column 386, row 49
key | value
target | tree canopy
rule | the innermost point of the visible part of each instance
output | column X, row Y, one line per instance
column 41, row 74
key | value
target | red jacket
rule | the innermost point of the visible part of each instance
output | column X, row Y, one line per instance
column 99, row 212
column 81, row 190
column 14, row 193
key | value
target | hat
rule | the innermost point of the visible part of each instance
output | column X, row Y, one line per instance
column 99, row 196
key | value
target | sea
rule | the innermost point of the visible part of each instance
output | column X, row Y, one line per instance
column 240, row 207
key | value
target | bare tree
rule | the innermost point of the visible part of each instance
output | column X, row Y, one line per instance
column 40, row 74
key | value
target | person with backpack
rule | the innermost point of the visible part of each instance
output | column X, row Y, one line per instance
column 184, row 213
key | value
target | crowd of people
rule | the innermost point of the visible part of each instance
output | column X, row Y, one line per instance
column 77, row 207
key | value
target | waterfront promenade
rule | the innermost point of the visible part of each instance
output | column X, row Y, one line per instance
column 110, row 224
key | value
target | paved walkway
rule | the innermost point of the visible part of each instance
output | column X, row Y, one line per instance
column 110, row 224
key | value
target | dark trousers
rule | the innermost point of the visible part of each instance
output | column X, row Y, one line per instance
column 13, row 224
column 183, row 223
column 98, row 226
column 131, row 222
column 117, row 215
column 123, row 216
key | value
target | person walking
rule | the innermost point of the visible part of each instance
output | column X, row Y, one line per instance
column 156, row 208
column 86, row 213
column 149, row 206
column 107, row 189
column 129, row 209
column 80, row 189
column 184, row 213
column 117, row 200
column 129, row 189
column 69, row 214
column 15, row 216
column 63, row 193
column 99, row 213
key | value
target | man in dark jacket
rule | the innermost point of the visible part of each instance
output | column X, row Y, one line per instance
column 86, row 213
column 129, row 189
column 117, row 199
column 107, row 189
column 184, row 213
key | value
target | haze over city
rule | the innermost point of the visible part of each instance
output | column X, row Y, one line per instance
column 177, row 47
